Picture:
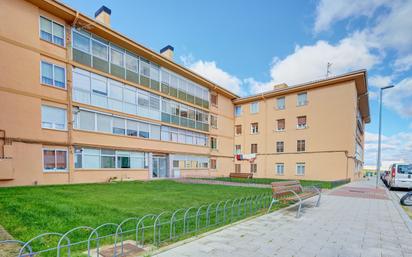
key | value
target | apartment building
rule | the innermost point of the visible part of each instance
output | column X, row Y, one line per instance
column 82, row 103
column 311, row 131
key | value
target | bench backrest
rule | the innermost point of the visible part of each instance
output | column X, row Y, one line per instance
column 283, row 188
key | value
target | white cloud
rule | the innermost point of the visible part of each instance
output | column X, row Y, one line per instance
column 332, row 11
column 399, row 98
column 309, row 62
column 379, row 81
column 403, row 63
column 212, row 72
column 394, row 29
column 395, row 148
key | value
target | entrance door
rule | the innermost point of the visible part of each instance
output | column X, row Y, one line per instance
column 159, row 167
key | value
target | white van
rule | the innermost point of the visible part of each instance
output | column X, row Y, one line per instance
column 400, row 176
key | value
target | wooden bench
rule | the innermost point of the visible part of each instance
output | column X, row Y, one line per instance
column 240, row 175
column 292, row 191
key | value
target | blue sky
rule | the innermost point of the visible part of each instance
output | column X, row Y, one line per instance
column 248, row 46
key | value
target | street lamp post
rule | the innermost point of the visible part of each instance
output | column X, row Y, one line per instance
column 378, row 162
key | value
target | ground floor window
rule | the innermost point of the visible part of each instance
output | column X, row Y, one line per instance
column 213, row 164
column 54, row 160
column 238, row 168
column 300, row 168
column 94, row 158
column 280, row 168
column 191, row 161
column 253, row 168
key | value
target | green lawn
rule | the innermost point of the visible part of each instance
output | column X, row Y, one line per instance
column 322, row 184
column 29, row 211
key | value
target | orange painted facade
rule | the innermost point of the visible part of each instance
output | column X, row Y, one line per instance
column 54, row 133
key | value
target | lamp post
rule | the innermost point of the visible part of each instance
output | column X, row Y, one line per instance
column 378, row 162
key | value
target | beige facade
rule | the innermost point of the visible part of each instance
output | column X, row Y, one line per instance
column 90, row 105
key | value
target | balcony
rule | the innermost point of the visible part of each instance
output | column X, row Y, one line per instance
column 6, row 168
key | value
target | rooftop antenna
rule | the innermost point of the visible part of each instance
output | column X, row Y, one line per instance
column 328, row 72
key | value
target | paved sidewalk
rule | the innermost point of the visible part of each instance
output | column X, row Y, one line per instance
column 356, row 220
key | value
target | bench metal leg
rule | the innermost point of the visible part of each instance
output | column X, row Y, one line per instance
column 300, row 206
column 318, row 202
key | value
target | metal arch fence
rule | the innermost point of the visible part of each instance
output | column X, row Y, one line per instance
column 160, row 228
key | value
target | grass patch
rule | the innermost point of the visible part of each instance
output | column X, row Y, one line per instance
column 408, row 211
column 322, row 184
column 29, row 211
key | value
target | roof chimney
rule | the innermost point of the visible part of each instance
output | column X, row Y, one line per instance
column 103, row 15
column 167, row 52
column 280, row 86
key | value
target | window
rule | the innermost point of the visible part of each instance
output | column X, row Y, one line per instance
column 213, row 142
column 238, row 110
column 92, row 158
column 254, row 107
column 54, row 160
column 302, row 99
column 253, row 148
column 238, row 149
column 53, row 75
column 118, row 126
column 213, row 98
column 81, row 42
column 254, row 128
column 53, row 117
column 301, row 122
column 103, row 123
column 100, row 50
column 213, row 121
column 132, row 63
column 280, row 168
column 300, row 168
column 51, row 31
column 86, row 120
column 280, row 103
column 253, row 168
column 280, row 125
column 238, row 168
column 116, row 56
column 280, row 147
column 301, row 145
column 213, row 164
column 238, row 130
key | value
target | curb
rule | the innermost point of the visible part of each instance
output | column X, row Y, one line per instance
column 405, row 217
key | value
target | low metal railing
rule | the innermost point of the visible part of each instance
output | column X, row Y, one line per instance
column 149, row 229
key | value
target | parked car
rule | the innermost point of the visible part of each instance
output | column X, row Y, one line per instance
column 384, row 176
column 400, row 176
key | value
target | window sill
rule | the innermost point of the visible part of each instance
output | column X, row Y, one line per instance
column 54, row 129
column 55, row 87
column 279, row 109
column 300, row 128
column 253, row 134
column 300, row 175
column 54, row 44
column 55, row 171
column 280, row 130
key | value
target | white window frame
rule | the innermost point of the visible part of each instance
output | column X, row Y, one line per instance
column 277, row 103
column 55, row 149
column 53, row 65
column 254, row 129
column 298, row 103
column 240, row 111
column 52, row 41
column 257, row 107
column 277, row 166
column 304, row 125
column 53, row 125
column 300, row 164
